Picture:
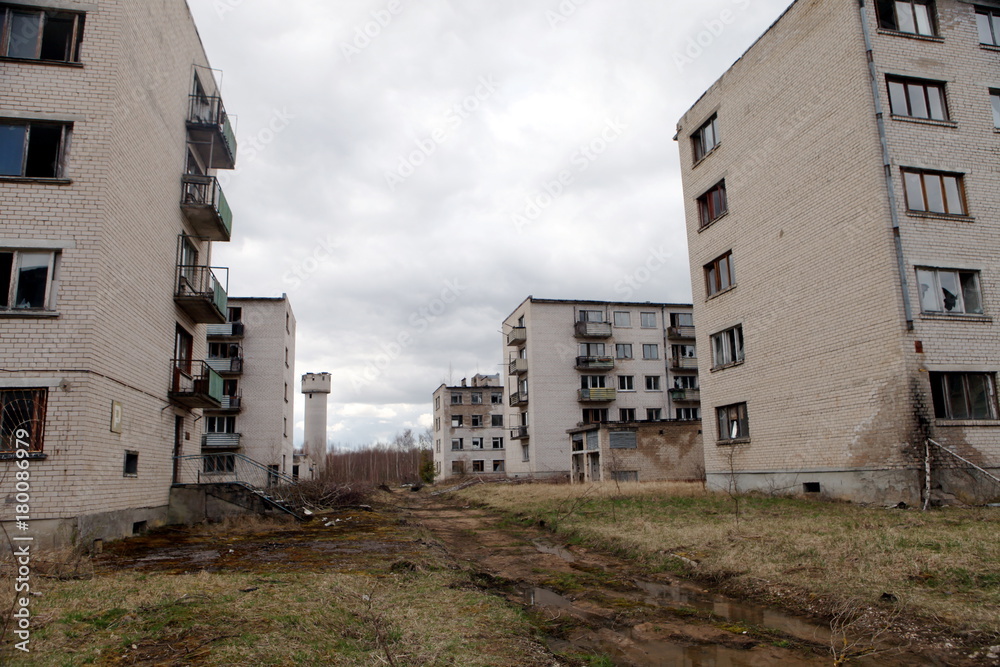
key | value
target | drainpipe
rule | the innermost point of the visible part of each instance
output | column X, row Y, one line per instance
column 887, row 165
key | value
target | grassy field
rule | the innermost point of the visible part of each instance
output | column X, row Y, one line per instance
column 942, row 565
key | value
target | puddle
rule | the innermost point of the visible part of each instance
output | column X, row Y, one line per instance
column 562, row 552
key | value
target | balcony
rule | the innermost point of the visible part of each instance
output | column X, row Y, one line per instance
column 683, row 332
column 520, row 398
column 205, row 206
column 597, row 395
column 685, row 395
column 519, row 433
column 194, row 384
column 517, row 336
column 201, row 295
column 595, row 363
column 684, row 363
column 226, row 365
column 592, row 330
column 232, row 403
column 228, row 330
column 210, row 133
column 220, row 440
column 518, row 366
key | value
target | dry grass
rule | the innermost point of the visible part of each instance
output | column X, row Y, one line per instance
column 943, row 565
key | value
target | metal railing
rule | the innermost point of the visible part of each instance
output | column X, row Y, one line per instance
column 519, row 433
column 194, row 380
column 221, row 440
column 209, row 111
column 226, row 364
column 518, row 398
column 275, row 487
column 517, row 366
column 227, row 330
column 949, row 452
column 681, row 331
column 601, row 363
column 205, row 191
column 517, row 335
column 201, row 282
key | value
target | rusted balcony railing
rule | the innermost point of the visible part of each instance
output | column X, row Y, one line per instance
column 205, row 206
column 194, row 384
column 210, row 132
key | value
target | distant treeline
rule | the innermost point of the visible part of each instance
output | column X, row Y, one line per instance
column 404, row 460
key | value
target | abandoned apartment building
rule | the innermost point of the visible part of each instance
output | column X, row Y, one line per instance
column 469, row 435
column 109, row 286
column 595, row 366
column 843, row 231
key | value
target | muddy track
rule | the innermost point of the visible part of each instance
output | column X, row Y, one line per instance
column 589, row 603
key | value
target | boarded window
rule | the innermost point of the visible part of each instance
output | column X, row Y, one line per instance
column 623, row 439
column 593, row 442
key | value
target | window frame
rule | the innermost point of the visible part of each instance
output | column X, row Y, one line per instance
column 712, row 204
column 910, row 86
column 62, row 149
column 993, row 24
column 644, row 320
column 995, row 106
column 943, row 395
column 626, row 414
column 456, row 398
column 499, row 465
column 494, row 419
column 700, row 148
column 10, row 292
column 961, row 295
column 458, row 421
column 924, row 176
column 624, row 316
column 650, row 347
column 654, row 383
column 624, row 380
column 623, row 351
column 734, row 414
column 654, row 414
column 460, row 442
column 497, row 439
column 730, row 345
column 894, row 25
column 13, row 432
column 714, row 273
column 74, row 37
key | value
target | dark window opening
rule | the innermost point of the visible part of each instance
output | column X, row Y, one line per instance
column 810, row 487
column 131, row 468
column 964, row 395
column 40, row 35
column 733, row 422
column 32, row 150
column 139, row 527
column 911, row 16
column 706, row 138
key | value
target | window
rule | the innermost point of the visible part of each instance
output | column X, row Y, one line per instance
column 437, row 403
column 623, row 350
column 950, row 292
column 26, row 279
column 457, row 421
column 648, row 320
column 934, row 192
column 220, row 424
column 963, row 396
column 477, row 398
column 22, row 419
column 650, row 351
column 591, row 316
column 437, row 446
column 40, row 35
column 733, row 422
column 988, row 22
column 220, row 463
column 591, row 349
column 626, row 414
column 653, row 383
column 477, row 443
column 457, row 444
column 623, row 319
column 995, row 103
column 525, row 453
column 499, row 466
column 712, row 205
column 231, row 388
column 456, row 399
column 727, row 347
column 496, row 399
column 917, row 98
column 498, row 443
column 234, row 314
column 286, row 357
column 654, row 414
column 684, row 351
column 706, row 138
column 626, row 382
column 131, row 466
column 458, row 467
column 496, row 421
column 595, row 415
column 912, row 16
column 685, row 382
column 437, row 423
column 32, row 149
column 681, row 320
column 593, row 381
column 688, row 413
column 477, row 421
column 719, row 274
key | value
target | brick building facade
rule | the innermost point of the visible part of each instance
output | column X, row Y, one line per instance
column 469, row 434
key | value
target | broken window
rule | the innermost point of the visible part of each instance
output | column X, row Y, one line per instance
column 654, row 414
column 477, row 398
column 497, row 442
column 653, row 383
column 593, row 381
column 499, row 465
column 457, row 444
column 457, row 421
column 437, row 423
column 458, row 467
column 477, row 443
column 688, row 413
column 681, row 320
column 706, row 138
column 623, row 350
column 26, row 279
column 623, row 318
column 650, row 351
column 732, row 421
column 713, row 204
column 131, row 465
column 626, row 382
column 727, row 347
column 33, row 149
column 911, row 16
column 964, row 395
column 496, row 421
column 995, row 103
column 626, row 414
column 437, row 445
column 684, row 351
column 949, row 291
column 595, row 415
column 685, row 382
column 934, row 192
column 720, row 274
column 478, row 466
column 988, row 22
column 477, row 421
column 917, row 98
column 40, row 35
column 525, row 453
column 22, row 419
column 496, row 399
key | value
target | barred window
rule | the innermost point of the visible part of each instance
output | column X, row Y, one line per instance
column 22, row 420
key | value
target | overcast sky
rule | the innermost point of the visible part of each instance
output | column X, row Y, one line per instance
column 409, row 172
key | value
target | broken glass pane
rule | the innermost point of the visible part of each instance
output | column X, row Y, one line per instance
column 956, row 396
column 32, row 277
column 57, row 39
column 950, row 291
column 928, row 291
column 43, row 151
column 970, row 293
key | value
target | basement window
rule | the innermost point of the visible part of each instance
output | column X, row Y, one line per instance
column 810, row 487
column 131, row 468
column 40, row 35
column 499, row 466
column 33, row 149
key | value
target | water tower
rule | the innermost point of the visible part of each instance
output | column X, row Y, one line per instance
column 316, row 387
